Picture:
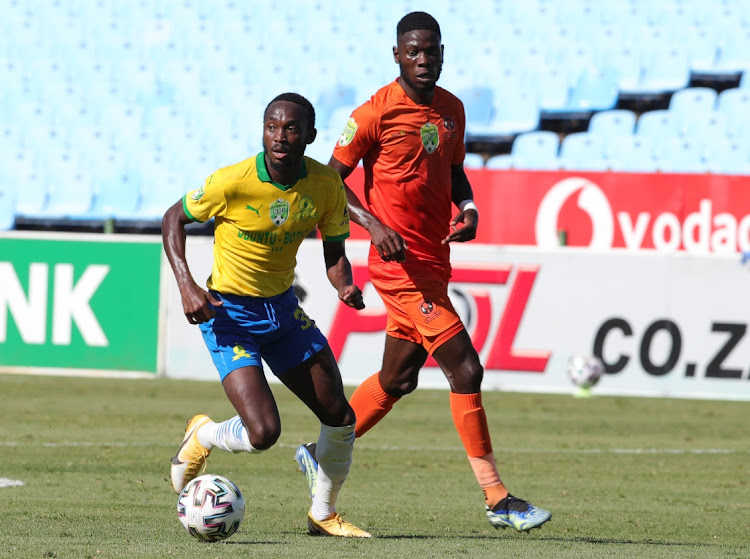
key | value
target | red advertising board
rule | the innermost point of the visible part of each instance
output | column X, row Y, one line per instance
column 667, row 212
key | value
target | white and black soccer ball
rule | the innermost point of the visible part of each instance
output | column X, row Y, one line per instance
column 585, row 370
column 211, row 508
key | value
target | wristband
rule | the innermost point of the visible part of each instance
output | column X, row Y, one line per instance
column 468, row 205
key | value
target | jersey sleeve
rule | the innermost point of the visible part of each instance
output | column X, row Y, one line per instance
column 459, row 154
column 207, row 201
column 358, row 136
column 335, row 223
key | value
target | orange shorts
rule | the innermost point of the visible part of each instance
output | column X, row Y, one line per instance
column 420, row 313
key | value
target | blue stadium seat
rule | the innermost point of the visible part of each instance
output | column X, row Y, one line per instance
column 745, row 80
column 728, row 156
column 513, row 112
column 692, row 100
column 665, row 69
column 473, row 161
column 330, row 99
column 478, row 103
column 536, row 150
column 7, row 206
column 735, row 104
column 632, row 153
column 658, row 124
column 583, row 151
column 612, row 123
column 595, row 90
column 734, row 51
column 499, row 162
column 680, row 155
column 709, row 127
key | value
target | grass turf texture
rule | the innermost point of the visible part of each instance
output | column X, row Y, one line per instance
column 623, row 477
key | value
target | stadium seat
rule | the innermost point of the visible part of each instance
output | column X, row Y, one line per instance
column 631, row 153
column 735, row 104
column 728, row 156
column 473, row 161
column 693, row 100
column 658, row 124
column 499, row 162
column 680, row 155
column 583, row 151
column 734, row 51
column 478, row 103
column 595, row 90
column 709, row 127
column 612, row 123
column 513, row 112
column 664, row 70
column 7, row 206
column 330, row 99
column 536, row 150
column 745, row 80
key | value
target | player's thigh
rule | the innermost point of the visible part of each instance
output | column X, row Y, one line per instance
column 317, row 382
column 250, row 394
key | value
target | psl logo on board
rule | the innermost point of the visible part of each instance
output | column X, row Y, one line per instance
column 70, row 303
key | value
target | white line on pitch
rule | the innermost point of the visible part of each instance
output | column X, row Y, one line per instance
column 414, row 448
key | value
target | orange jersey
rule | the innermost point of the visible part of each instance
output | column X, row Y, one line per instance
column 407, row 151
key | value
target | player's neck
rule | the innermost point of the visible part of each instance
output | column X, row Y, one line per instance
column 419, row 97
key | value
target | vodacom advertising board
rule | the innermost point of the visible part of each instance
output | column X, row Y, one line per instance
column 666, row 212
column 664, row 324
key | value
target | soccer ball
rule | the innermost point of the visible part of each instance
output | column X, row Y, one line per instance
column 585, row 370
column 210, row 508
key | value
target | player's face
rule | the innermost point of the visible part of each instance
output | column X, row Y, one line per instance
column 286, row 133
column 419, row 55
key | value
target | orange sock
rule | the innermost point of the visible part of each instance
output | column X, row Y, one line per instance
column 370, row 404
column 471, row 424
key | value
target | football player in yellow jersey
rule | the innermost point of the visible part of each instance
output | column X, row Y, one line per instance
column 263, row 208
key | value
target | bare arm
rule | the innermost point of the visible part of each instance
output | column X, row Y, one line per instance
column 196, row 301
column 389, row 244
column 339, row 272
column 460, row 191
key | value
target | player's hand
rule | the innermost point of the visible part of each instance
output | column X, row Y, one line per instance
column 390, row 245
column 199, row 304
column 468, row 230
column 351, row 296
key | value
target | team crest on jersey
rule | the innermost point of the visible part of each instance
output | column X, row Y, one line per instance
column 306, row 209
column 430, row 137
column 348, row 134
column 427, row 308
column 279, row 212
column 198, row 194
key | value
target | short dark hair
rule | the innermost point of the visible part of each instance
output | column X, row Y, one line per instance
column 297, row 99
column 415, row 21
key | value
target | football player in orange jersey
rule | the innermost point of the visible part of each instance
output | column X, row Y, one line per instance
column 410, row 137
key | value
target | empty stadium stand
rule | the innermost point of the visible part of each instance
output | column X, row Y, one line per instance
column 109, row 111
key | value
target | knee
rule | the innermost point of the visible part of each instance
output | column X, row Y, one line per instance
column 400, row 387
column 263, row 437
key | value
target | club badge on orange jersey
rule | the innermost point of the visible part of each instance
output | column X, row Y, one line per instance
column 348, row 134
column 427, row 308
column 430, row 137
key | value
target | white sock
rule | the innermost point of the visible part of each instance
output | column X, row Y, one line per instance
column 229, row 435
column 334, row 455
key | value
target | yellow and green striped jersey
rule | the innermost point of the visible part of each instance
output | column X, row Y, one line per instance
column 260, row 224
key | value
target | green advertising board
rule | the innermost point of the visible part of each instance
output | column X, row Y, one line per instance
column 79, row 304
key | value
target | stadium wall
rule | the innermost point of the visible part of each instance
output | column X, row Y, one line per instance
column 666, row 325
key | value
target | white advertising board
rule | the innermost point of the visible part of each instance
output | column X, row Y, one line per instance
column 665, row 325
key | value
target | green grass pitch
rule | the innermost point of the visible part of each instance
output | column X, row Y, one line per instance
column 623, row 477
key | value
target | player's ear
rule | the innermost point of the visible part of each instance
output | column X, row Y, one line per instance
column 311, row 135
column 395, row 55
